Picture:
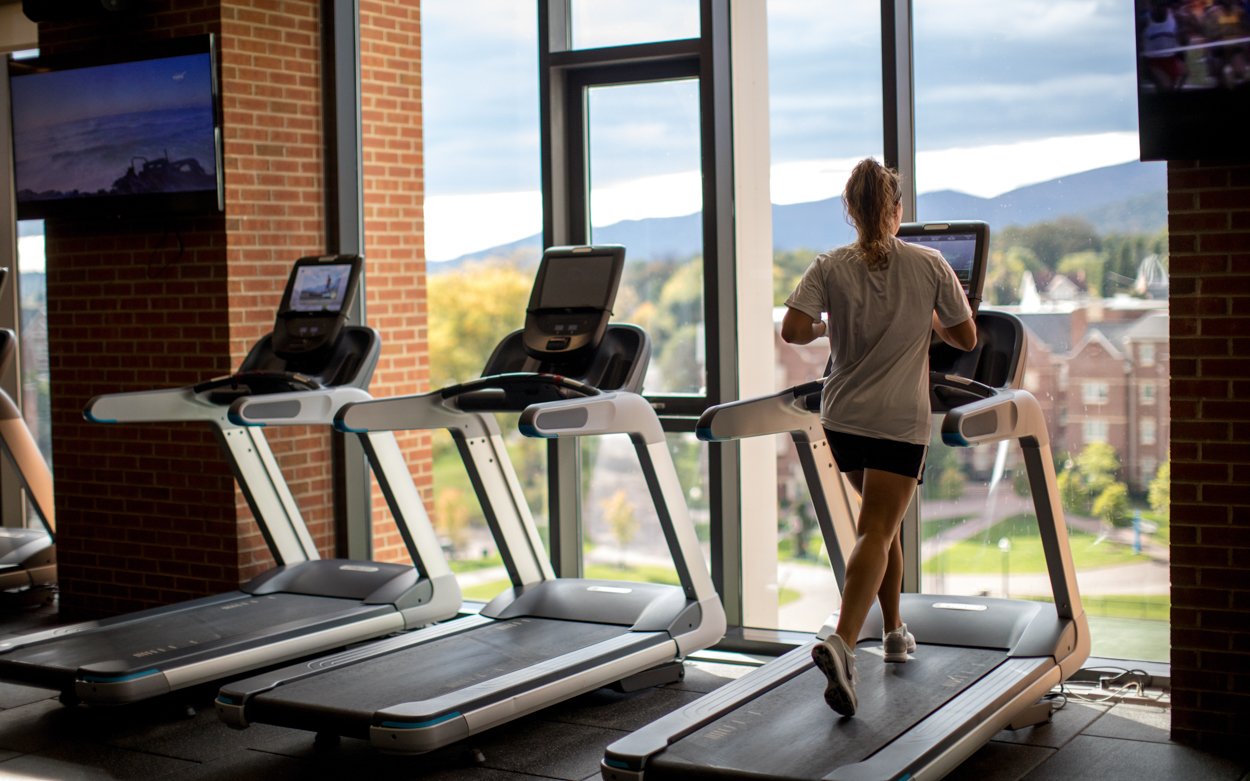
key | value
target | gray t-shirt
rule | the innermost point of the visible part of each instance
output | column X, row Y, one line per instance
column 880, row 323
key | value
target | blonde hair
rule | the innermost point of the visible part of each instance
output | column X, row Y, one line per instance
column 869, row 199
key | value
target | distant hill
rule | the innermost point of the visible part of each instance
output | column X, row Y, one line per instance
column 1126, row 198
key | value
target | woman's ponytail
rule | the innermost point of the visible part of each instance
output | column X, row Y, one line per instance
column 869, row 199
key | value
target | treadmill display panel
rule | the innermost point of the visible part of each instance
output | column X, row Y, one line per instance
column 577, row 283
column 321, row 289
column 958, row 249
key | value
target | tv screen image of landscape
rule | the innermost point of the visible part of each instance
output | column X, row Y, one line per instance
column 140, row 132
column 1193, row 78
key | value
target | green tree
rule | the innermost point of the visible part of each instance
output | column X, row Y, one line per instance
column 471, row 311
column 1112, row 504
column 951, row 484
column 618, row 512
column 1160, row 495
column 1006, row 270
column 1087, row 483
column 1090, row 265
column 451, row 518
column 1051, row 241
column 788, row 269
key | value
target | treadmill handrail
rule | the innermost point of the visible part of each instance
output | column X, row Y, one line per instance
column 1016, row 414
column 778, row 413
column 320, row 407
column 621, row 412
column 298, row 408
column 834, row 501
column 247, row 452
column 485, row 457
column 23, row 453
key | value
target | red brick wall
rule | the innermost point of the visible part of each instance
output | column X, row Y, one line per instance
column 1209, row 227
column 149, row 514
column 144, row 512
column 126, row 314
column 390, row 35
column 271, row 104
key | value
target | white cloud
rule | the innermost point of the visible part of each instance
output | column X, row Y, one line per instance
column 456, row 225
column 992, row 170
column 460, row 224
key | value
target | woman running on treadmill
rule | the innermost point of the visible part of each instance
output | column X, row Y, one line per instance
column 884, row 297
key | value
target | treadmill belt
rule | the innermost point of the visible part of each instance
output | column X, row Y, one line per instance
column 432, row 669
column 791, row 733
column 137, row 642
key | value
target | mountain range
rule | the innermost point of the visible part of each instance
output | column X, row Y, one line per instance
column 1126, row 198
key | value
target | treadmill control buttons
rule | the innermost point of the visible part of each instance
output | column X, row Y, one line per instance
column 558, row 343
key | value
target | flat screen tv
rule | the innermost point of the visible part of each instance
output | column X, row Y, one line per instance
column 1193, row 79
column 127, row 133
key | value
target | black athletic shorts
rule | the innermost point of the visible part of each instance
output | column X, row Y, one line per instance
column 853, row 453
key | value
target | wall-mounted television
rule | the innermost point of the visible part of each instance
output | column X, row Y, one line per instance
column 129, row 132
column 1193, row 79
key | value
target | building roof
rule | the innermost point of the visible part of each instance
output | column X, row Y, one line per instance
column 1053, row 328
column 1151, row 328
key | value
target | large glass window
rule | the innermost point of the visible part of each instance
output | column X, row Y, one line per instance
column 825, row 114
column 483, row 226
column 1025, row 117
column 599, row 23
column 646, row 193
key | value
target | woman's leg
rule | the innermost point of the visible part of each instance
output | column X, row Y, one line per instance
column 892, row 583
column 884, row 500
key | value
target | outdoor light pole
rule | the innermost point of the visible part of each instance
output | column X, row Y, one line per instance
column 1004, row 545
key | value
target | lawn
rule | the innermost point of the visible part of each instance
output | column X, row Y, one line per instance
column 931, row 527
column 471, row 565
column 1154, row 607
column 981, row 555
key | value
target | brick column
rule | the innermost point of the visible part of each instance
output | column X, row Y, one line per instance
column 149, row 514
column 1209, row 227
column 390, row 33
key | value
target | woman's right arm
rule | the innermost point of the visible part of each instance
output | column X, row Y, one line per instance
column 961, row 336
column 799, row 328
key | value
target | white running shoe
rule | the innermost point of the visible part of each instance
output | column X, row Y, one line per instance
column 898, row 644
column 836, row 661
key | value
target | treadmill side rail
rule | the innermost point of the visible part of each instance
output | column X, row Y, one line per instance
column 630, row 753
column 415, row 728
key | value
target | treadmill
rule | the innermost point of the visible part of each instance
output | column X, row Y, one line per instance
column 982, row 664
column 305, row 370
column 545, row 639
column 27, row 556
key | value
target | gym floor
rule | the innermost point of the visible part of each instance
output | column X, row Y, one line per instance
column 40, row 739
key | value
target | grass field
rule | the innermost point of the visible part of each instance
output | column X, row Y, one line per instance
column 981, row 555
column 472, row 565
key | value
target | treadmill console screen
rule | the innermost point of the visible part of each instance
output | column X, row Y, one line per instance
column 321, row 289
column 959, row 250
column 964, row 244
column 581, row 282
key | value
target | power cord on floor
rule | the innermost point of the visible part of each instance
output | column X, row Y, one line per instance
column 1110, row 688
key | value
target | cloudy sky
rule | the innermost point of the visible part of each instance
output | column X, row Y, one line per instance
column 1007, row 94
